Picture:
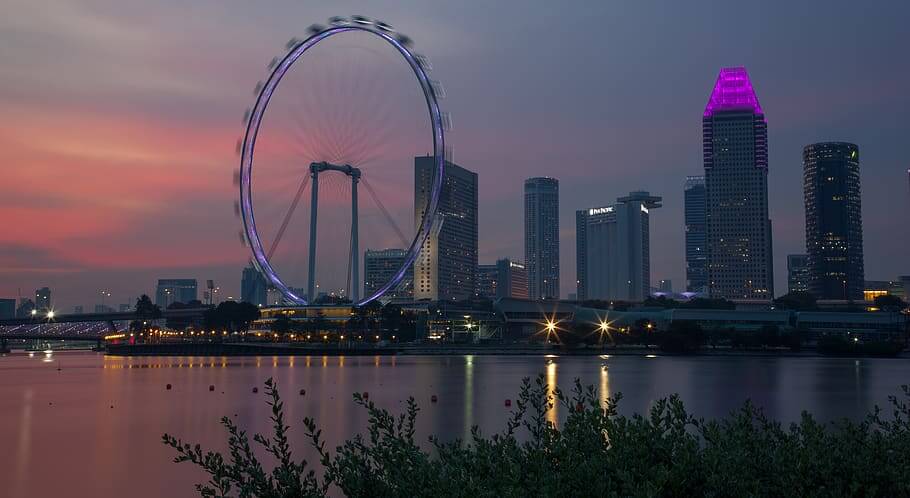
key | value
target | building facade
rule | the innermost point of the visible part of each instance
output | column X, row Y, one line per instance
column 695, row 220
column 505, row 278
column 581, row 255
column 447, row 264
column 175, row 290
column 834, row 226
column 7, row 308
column 797, row 273
column 254, row 288
column 735, row 145
column 617, row 248
column 542, row 237
column 379, row 267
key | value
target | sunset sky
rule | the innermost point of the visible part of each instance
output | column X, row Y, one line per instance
column 120, row 119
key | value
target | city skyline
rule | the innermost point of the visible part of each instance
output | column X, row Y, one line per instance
column 165, row 120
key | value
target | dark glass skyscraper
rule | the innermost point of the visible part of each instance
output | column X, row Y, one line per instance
column 696, row 254
column 735, row 144
column 834, row 226
column 542, row 237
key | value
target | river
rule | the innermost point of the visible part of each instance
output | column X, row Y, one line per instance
column 84, row 424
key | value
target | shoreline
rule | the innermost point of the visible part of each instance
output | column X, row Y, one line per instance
column 254, row 349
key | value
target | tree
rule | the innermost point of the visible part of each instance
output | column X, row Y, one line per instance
column 661, row 302
column 231, row 316
column 796, row 301
column 889, row 302
column 704, row 303
column 282, row 325
column 683, row 336
column 146, row 310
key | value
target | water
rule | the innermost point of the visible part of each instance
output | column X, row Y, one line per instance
column 93, row 427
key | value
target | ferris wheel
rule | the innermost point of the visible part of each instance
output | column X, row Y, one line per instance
column 351, row 115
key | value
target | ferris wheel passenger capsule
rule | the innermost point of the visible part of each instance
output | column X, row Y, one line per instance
column 236, row 177
column 237, row 208
column 405, row 40
column 384, row 26
column 438, row 89
column 362, row 20
column 315, row 28
column 273, row 63
column 338, row 21
column 423, row 61
column 291, row 43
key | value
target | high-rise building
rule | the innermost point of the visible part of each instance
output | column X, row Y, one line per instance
column 735, row 144
column 542, row 237
column 834, row 225
column 43, row 299
column 617, row 248
column 379, row 267
column 696, row 253
column 505, row 278
column 175, row 290
column 797, row 273
column 581, row 254
column 253, row 287
column 78, row 309
column 447, row 264
column 7, row 308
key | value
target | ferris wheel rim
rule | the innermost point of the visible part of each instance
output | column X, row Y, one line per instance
column 254, row 121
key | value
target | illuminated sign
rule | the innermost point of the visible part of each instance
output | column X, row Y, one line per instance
column 644, row 209
column 601, row 210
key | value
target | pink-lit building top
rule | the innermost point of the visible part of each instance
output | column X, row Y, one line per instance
column 733, row 92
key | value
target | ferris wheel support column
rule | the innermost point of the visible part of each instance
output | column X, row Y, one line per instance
column 355, row 250
column 314, row 204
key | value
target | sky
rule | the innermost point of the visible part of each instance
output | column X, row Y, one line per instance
column 121, row 117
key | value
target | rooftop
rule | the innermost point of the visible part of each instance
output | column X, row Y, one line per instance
column 732, row 92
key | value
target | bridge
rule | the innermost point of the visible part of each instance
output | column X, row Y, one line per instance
column 80, row 327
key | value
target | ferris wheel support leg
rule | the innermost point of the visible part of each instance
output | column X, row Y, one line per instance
column 314, row 204
column 355, row 250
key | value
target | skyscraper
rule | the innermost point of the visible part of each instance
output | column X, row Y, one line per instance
column 797, row 273
column 505, row 278
column 380, row 266
column 175, row 290
column 735, row 144
column 834, row 226
column 581, row 254
column 617, row 248
column 696, row 253
column 253, row 287
column 447, row 264
column 542, row 237
column 43, row 299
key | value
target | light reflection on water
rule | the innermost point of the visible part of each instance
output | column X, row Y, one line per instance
column 97, row 420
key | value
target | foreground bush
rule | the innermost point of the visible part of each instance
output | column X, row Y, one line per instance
column 595, row 452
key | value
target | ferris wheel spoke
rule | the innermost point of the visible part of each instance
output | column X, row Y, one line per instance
column 385, row 212
column 287, row 217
